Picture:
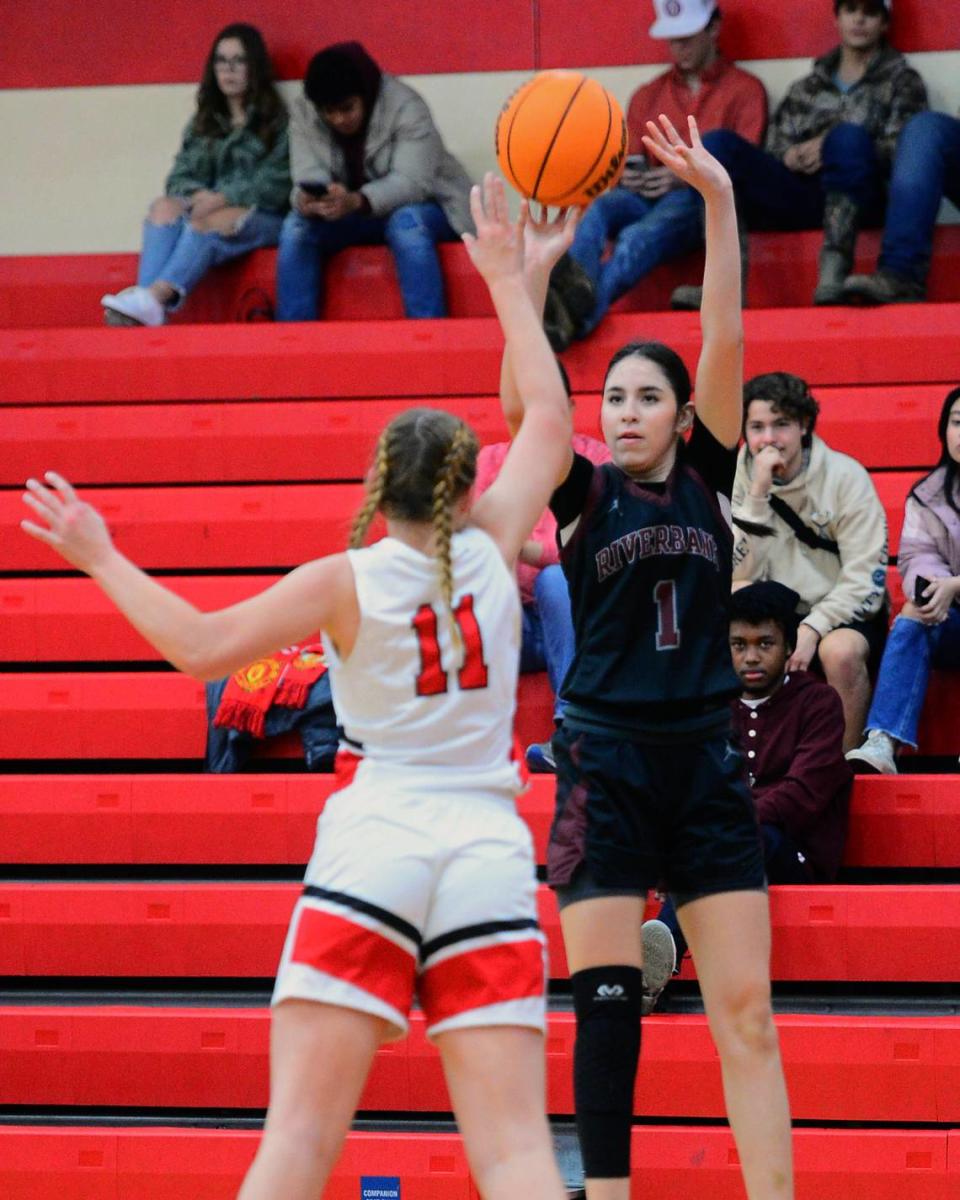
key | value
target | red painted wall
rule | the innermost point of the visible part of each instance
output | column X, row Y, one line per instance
column 60, row 43
column 617, row 34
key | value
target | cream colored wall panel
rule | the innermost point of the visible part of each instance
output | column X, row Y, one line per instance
column 80, row 165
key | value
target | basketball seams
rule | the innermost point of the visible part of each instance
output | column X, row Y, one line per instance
column 556, row 134
column 549, row 127
column 588, row 174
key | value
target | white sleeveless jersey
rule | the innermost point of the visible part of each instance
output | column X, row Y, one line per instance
column 408, row 694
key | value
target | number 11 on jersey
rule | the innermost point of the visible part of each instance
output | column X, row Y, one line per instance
column 432, row 680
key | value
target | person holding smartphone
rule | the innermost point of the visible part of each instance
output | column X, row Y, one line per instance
column 369, row 167
column 927, row 632
column 652, row 217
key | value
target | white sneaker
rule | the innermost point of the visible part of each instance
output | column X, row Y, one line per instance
column 137, row 304
column 876, row 756
column 659, row 962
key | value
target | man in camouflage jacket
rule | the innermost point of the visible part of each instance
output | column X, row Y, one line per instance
column 830, row 143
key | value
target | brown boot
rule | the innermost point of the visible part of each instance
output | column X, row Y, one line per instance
column 557, row 323
column 884, row 287
column 575, row 289
column 841, row 217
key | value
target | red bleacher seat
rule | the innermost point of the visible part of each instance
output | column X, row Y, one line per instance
column 168, row 1164
column 670, row 1162
column 870, row 933
column 157, row 715
column 264, row 525
column 895, row 821
column 903, row 345
column 838, row 1068
column 333, row 440
column 47, row 291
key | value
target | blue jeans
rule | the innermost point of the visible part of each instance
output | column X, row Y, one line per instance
column 771, row 196
column 925, row 169
column 645, row 233
column 411, row 232
column 547, row 636
column 230, row 750
column 912, row 649
column 181, row 255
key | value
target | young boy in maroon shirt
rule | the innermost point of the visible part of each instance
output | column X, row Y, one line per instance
column 791, row 730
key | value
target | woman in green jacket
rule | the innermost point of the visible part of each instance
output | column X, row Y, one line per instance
column 229, row 186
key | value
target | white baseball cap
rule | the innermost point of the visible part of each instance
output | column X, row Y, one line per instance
column 681, row 18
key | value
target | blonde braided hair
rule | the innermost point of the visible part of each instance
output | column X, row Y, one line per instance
column 425, row 461
column 375, row 489
column 446, row 490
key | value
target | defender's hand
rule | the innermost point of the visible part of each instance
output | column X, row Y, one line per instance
column 71, row 526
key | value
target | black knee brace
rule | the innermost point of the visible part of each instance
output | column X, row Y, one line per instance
column 607, row 1005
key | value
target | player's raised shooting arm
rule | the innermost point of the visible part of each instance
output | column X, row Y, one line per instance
column 545, row 241
column 510, row 508
column 719, row 383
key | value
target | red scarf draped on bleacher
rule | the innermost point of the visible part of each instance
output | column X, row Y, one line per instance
column 284, row 678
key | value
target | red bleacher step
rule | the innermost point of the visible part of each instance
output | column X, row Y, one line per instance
column 361, row 282
column 170, row 1164
column 909, row 344
column 256, row 526
column 333, row 440
column 895, row 821
column 670, row 1162
column 838, row 1068
column 874, row 933
column 160, row 715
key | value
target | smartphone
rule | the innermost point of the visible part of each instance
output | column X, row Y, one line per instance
column 313, row 187
column 920, row 585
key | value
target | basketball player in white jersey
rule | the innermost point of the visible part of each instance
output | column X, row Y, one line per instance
column 423, row 879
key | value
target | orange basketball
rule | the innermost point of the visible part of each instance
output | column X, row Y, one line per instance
column 561, row 139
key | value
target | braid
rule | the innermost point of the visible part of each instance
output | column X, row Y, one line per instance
column 375, row 490
column 447, row 487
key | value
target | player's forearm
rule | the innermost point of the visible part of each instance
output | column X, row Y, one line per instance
column 527, row 356
column 169, row 623
column 537, row 282
column 721, row 318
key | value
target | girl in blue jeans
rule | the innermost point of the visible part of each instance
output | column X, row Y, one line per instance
column 927, row 632
column 229, row 186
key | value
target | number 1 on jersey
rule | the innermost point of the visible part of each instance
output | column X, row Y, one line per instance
column 432, row 680
column 668, row 630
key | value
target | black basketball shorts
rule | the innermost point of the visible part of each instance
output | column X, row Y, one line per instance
column 630, row 816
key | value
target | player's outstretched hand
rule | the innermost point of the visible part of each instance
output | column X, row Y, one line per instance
column 71, row 526
column 546, row 240
column 692, row 164
column 497, row 247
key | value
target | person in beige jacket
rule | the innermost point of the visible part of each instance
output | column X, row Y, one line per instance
column 368, row 167
column 809, row 517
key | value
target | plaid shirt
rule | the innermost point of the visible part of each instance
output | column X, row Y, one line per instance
column 887, row 96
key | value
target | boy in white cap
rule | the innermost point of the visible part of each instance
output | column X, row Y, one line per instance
column 650, row 218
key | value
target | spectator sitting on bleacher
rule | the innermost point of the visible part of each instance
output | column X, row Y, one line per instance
column 228, row 189
column 927, row 631
column 652, row 217
column 811, row 519
column 547, row 632
column 829, row 146
column 790, row 726
column 369, row 167
column 926, row 168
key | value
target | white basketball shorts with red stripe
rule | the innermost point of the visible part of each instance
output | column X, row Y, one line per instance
column 419, row 888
